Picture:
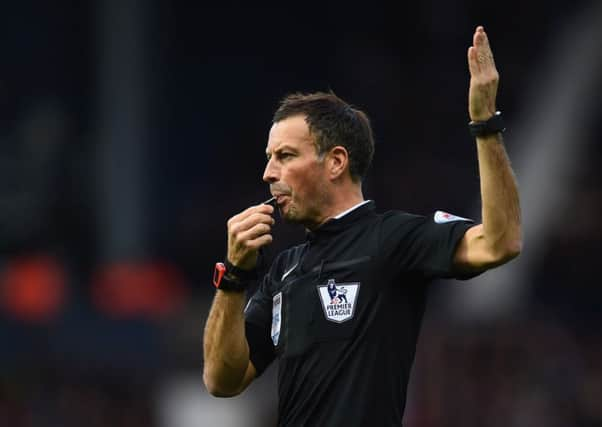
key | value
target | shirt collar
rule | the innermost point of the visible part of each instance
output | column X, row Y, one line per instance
column 342, row 214
column 343, row 220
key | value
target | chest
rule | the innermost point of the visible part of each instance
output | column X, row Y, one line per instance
column 325, row 294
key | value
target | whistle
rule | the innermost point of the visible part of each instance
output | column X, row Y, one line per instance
column 270, row 201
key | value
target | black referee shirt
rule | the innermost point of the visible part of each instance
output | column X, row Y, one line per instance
column 342, row 312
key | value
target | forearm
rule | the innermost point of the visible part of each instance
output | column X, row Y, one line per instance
column 499, row 197
column 226, row 351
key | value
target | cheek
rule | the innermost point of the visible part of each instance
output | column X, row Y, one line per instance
column 309, row 189
column 304, row 182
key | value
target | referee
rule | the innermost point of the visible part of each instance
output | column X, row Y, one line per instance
column 342, row 311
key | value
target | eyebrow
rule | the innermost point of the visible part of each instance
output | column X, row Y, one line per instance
column 279, row 149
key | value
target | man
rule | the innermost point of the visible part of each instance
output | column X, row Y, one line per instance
column 346, row 361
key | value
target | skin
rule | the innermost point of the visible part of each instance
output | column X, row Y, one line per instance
column 310, row 189
column 499, row 238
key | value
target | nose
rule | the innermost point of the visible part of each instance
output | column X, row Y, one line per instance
column 270, row 174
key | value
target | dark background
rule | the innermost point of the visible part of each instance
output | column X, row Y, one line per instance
column 130, row 131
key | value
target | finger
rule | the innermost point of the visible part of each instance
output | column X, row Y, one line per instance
column 253, row 233
column 263, row 209
column 483, row 38
column 473, row 65
column 480, row 36
column 481, row 42
column 251, row 221
column 476, row 51
column 263, row 240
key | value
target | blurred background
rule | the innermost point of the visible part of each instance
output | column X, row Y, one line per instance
column 130, row 131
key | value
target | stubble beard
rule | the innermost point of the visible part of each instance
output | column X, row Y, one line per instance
column 311, row 216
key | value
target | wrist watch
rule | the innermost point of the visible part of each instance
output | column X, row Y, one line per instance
column 228, row 277
column 495, row 124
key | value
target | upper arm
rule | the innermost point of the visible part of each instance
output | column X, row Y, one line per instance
column 475, row 254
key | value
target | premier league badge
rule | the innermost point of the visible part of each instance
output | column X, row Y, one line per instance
column 338, row 300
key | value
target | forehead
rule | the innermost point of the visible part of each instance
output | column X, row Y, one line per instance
column 292, row 131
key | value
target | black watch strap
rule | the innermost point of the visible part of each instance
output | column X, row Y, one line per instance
column 493, row 125
column 239, row 273
column 225, row 280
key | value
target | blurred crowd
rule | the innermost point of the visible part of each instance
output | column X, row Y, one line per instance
column 524, row 372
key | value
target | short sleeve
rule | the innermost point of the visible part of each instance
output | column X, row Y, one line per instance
column 258, row 321
column 423, row 245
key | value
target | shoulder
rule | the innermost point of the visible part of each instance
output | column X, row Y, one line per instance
column 398, row 218
column 436, row 217
column 396, row 223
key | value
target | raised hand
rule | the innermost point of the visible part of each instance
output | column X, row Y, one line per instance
column 484, row 78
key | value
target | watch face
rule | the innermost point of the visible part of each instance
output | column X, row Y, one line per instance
column 218, row 273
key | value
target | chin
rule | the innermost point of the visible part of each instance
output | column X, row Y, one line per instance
column 294, row 216
column 290, row 214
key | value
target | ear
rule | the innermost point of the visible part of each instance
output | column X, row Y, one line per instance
column 338, row 162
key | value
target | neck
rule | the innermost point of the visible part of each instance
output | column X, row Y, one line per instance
column 340, row 201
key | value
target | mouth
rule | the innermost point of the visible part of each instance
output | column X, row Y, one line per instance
column 279, row 195
column 281, row 198
column 281, row 192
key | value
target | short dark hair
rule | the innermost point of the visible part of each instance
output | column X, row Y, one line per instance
column 333, row 122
